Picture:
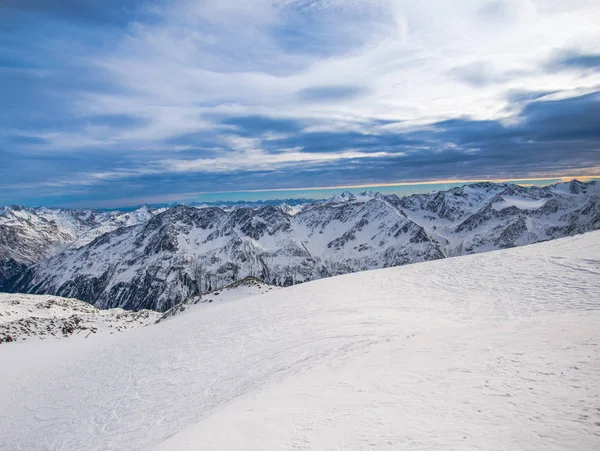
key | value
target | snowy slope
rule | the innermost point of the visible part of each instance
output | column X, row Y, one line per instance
column 27, row 316
column 491, row 351
column 242, row 289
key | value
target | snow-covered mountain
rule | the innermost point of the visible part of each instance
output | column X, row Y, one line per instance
column 26, row 238
column 28, row 235
column 495, row 351
column 487, row 216
column 185, row 251
column 27, row 316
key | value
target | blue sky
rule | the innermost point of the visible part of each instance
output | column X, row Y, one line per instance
column 117, row 102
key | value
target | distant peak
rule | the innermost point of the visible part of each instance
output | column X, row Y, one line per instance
column 486, row 185
column 575, row 186
column 346, row 196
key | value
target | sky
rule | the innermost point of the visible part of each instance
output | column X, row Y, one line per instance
column 116, row 102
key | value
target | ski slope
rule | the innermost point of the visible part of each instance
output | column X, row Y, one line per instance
column 494, row 351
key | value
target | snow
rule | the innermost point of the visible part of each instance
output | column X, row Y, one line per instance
column 414, row 398
column 14, row 306
column 292, row 210
column 519, row 202
column 574, row 186
column 38, row 233
column 27, row 316
column 491, row 351
column 346, row 196
column 243, row 289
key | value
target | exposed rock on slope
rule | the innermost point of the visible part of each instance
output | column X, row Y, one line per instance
column 26, row 316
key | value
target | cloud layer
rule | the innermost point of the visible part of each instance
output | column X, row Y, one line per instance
column 139, row 98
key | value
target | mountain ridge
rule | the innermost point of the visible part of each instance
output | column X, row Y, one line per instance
column 183, row 251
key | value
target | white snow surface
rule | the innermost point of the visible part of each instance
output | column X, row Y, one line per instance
column 241, row 289
column 27, row 316
column 519, row 202
column 491, row 351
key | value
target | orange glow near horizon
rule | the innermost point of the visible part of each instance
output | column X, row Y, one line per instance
column 581, row 178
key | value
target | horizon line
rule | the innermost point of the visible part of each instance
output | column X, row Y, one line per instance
column 430, row 182
column 180, row 198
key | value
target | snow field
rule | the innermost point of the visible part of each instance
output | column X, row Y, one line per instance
column 492, row 351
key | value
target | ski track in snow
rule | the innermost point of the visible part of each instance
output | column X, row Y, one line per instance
column 491, row 351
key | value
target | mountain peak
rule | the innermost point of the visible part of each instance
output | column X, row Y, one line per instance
column 346, row 196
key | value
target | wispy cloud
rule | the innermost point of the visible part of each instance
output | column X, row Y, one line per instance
column 210, row 55
column 258, row 160
column 575, row 61
column 226, row 87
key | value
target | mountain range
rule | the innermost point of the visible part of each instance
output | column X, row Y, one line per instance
column 28, row 235
column 155, row 259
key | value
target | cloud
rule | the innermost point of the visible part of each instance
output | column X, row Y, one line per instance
column 570, row 119
column 282, row 92
column 400, row 68
column 494, row 10
column 520, row 97
column 256, row 124
column 481, row 74
column 256, row 159
column 331, row 93
column 574, row 61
